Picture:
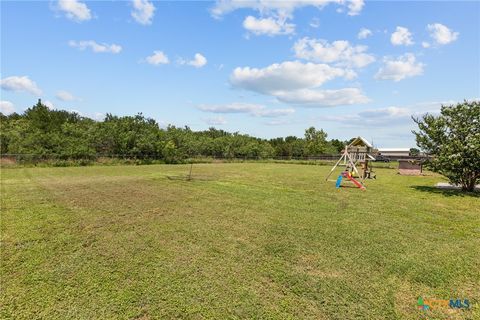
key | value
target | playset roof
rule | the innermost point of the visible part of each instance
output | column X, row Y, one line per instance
column 360, row 141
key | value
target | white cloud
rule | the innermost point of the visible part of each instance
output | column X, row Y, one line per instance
column 256, row 110
column 65, row 96
column 297, row 83
column 6, row 107
column 392, row 116
column 20, row 84
column 215, row 121
column 279, row 122
column 323, row 98
column 401, row 36
column 286, row 76
column 49, row 104
column 157, row 58
column 75, row 10
column 339, row 51
column 421, row 108
column 235, row 107
column 404, row 67
column 315, row 23
column 380, row 117
column 99, row 116
column 425, row 44
column 395, row 112
column 274, row 15
column 281, row 8
column 198, row 61
column 442, row 34
column 143, row 11
column 274, row 113
column 364, row 33
column 354, row 7
column 95, row 47
column 393, row 123
column 268, row 26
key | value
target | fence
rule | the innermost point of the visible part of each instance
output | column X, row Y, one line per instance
column 39, row 158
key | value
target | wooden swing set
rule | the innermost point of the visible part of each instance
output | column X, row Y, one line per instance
column 358, row 151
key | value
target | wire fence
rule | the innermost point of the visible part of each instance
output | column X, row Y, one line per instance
column 25, row 158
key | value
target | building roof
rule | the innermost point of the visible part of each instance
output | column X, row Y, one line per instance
column 394, row 149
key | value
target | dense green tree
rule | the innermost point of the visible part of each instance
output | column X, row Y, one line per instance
column 452, row 139
column 316, row 141
column 338, row 145
column 76, row 141
column 46, row 120
column 171, row 153
column 414, row 152
column 46, row 133
column 4, row 136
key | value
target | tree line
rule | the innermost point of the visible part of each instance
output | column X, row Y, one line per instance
column 67, row 135
column 451, row 140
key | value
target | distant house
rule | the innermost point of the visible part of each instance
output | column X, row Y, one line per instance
column 394, row 152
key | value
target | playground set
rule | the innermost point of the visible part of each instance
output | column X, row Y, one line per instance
column 359, row 151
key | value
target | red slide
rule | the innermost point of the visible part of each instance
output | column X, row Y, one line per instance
column 358, row 184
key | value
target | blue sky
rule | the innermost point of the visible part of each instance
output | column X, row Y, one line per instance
column 265, row 68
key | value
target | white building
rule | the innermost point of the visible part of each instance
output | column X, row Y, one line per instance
column 394, row 152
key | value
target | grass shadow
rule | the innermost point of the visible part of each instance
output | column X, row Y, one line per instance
column 348, row 187
column 446, row 192
column 190, row 178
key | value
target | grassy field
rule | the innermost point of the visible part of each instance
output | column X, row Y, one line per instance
column 242, row 240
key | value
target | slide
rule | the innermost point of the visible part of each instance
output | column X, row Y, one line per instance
column 358, row 184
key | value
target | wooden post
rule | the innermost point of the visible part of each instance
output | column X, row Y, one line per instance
column 336, row 164
column 190, row 173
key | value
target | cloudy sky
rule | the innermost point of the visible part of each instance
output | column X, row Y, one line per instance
column 266, row 68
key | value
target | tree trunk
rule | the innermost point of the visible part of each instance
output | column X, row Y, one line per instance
column 469, row 185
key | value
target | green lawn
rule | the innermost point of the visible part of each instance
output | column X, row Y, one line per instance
column 243, row 240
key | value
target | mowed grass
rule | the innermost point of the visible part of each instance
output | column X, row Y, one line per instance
column 239, row 241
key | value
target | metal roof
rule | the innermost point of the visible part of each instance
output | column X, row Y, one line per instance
column 394, row 149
